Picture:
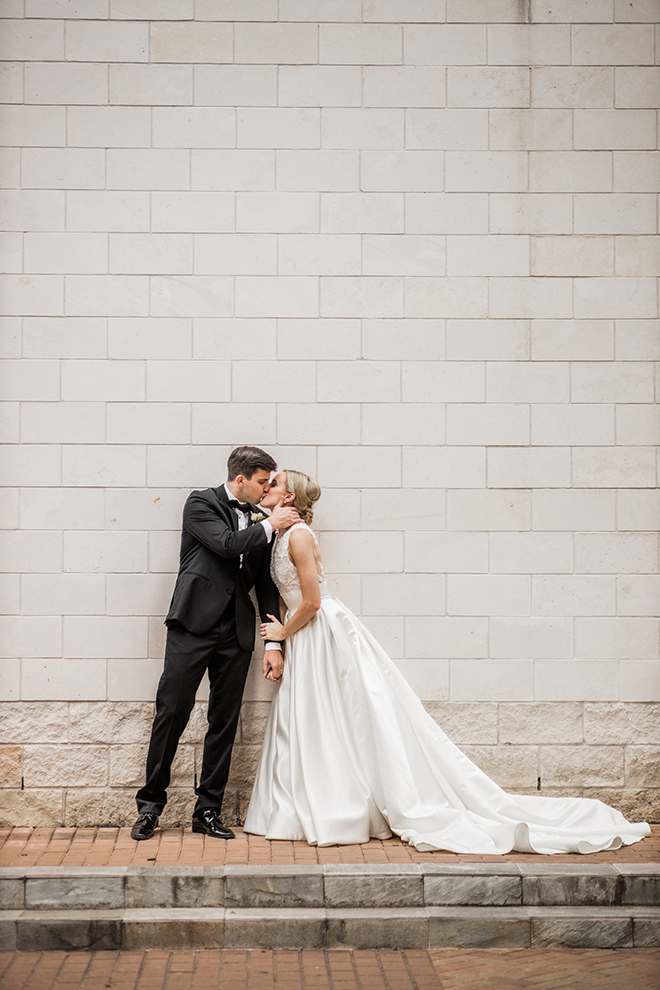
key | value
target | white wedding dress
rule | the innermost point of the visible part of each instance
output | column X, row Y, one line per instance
column 351, row 753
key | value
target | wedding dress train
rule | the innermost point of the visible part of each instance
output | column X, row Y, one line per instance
column 350, row 753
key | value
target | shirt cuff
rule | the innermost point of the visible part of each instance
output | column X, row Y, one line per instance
column 272, row 646
column 268, row 529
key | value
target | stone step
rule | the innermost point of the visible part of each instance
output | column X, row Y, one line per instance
column 332, row 886
column 319, row 928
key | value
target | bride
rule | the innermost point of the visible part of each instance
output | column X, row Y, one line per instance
column 351, row 753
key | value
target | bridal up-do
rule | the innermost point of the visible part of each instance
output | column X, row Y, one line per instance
column 306, row 492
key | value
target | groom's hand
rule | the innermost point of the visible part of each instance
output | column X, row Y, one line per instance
column 282, row 516
column 273, row 665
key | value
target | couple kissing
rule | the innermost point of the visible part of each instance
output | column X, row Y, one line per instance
column 349, row 752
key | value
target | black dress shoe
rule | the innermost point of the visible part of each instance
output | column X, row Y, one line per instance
column 207, row 821
column 145, row 826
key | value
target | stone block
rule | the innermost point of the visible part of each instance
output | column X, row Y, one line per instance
column 244, row 762
column 235, row 85
column 8, row 930
column 74, row 893
column 190, row 42
column 359, row 928
column 465, row 722
column 492, row 680
column 611, row 553
column 488, row 86
column 40, row 931
column 593, row 766
column 636, row 340
column 273, row 887
column 405, row 86
column 277, row 212
column 566, row 680
column 580, row 930
column 10, row 766
column 86, row 808
column 540, row 723
column 173, row 928
column 410, row 594
column 127, row 766
column 197, row 725
column 616, row 638
column 231, row 809
column 493, row 595
column 491, row 425
column 511, row 767
column 21, row 808
column 429, row 638
column 52, row 766
column 478, row 928
column 383, row 890
column 254, row 716
column 177, row 887
column 488, row 510
column 360, row 44
column 12, row 894
column 638, row 510
column 571, row 595
column 299, row 928
column 242, row 804
column 642, row 766
column 573, row 87
column 361, row 128
column 641, row 890
column 616, row 723
column 646, row 932
column 448, row 213
column 571, row 889
column 105, row 636
column 636, row 171
column 612, row 44
column 533, row 467
column 478, row 890
column 371, row 212
column 618, row 298
column 110, row 722
column 320, row 85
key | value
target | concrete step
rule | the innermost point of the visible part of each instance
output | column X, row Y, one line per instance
column 340, row 886
column 430, row 905
column 321, row 928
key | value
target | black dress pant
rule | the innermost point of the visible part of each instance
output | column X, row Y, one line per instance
column 187, row 656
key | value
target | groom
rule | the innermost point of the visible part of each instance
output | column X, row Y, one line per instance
column 210, row 626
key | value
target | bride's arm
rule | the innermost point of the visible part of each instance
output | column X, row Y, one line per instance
column 302, row 552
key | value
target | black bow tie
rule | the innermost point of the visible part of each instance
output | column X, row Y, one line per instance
column 243, row 506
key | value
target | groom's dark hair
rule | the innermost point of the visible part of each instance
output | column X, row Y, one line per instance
column 247, row 460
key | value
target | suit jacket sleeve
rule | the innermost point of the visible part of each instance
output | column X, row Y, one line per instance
column 211, row 529
column 268, row 596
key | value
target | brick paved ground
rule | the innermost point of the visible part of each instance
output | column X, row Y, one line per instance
column 178, row 846
column 286, row 969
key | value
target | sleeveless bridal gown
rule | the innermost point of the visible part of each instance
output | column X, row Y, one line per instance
column 351, row 753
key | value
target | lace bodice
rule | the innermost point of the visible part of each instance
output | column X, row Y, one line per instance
column 283, row 570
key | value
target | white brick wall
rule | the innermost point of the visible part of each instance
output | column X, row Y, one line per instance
column 408, row 246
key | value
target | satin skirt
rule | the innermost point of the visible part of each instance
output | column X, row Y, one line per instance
column 350, row 753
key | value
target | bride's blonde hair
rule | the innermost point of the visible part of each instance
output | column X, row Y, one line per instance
column 306, row 492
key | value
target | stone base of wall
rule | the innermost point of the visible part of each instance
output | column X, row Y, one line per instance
column 79, row 764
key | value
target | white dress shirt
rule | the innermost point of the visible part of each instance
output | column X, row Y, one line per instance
column 243, row 523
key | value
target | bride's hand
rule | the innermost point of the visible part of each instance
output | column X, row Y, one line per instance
column 272, row 630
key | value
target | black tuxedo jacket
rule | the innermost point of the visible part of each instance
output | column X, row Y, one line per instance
column 210, row 571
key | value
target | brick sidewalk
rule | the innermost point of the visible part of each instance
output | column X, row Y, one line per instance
column 288, row 969
column 181, row 847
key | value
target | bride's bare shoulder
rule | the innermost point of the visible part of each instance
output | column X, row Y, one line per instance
column 301, row 535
